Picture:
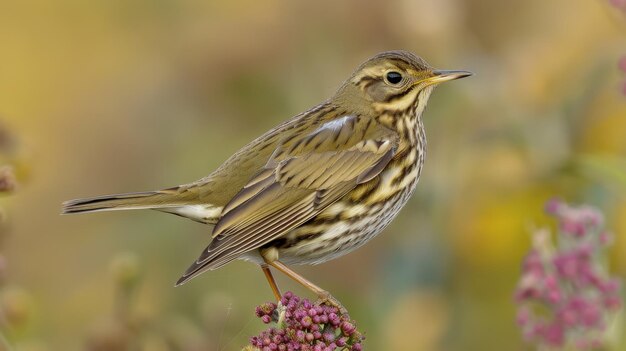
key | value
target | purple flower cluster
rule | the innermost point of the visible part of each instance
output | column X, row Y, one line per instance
column 565, row 294
column 305, row 326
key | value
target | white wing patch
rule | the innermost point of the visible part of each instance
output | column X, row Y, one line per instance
column 335, row 124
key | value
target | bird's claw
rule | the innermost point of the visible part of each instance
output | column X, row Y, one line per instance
column 326, row 298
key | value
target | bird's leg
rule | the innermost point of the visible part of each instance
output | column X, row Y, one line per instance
column 271, row 281
column 324, row 296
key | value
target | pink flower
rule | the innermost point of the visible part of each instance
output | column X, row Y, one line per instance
column 552, row 289
column 553, row 334
column 523, row 316
column 612, row 302
column 569, row 281
column 621, row 5
column 606, row 238
column 567, row 316
column 590, row 315
column 533, row 265
column 554, row 205
column 573, row 227
column 567, row 265
column 306, row 326
column 610, row 286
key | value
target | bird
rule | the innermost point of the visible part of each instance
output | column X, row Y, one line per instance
column 317, row 186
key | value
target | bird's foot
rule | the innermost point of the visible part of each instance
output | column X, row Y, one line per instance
column 325, row 298
column 278, row 316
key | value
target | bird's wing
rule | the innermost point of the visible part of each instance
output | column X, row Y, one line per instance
column 304, row 175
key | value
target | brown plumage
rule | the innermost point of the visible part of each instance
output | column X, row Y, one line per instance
column 318, row 185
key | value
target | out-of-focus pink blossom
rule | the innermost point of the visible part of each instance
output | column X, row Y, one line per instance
column 568, row 282
column 618, row 4
column 553, row 334
column 621, row 64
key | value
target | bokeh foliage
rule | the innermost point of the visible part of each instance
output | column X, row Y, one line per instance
column 115, row 96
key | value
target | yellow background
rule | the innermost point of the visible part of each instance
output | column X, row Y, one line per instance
column 117, row 96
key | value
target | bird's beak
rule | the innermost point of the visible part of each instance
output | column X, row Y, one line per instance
column 440, row 76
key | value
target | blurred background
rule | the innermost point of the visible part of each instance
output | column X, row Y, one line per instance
column 101, row 97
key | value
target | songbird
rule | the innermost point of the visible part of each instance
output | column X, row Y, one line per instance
column 315, row 187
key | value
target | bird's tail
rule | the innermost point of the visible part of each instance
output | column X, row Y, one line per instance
column 181, row 201
column 129, row 201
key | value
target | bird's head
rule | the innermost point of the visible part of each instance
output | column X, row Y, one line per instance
column 395, row 80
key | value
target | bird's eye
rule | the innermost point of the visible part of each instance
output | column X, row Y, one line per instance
column 393, row 77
